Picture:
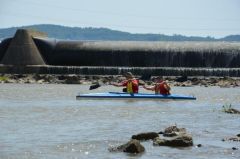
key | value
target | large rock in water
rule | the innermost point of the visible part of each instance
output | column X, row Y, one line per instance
column 184, row 140
column 133, row 146
column 173, row 131
column 145, row 136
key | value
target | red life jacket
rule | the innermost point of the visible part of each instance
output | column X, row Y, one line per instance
column 160, row 89
column 132, row 85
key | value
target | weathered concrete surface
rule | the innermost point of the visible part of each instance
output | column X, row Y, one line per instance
column 140, row 54
column 133, row 54
column 22, row 50
column 4, row 46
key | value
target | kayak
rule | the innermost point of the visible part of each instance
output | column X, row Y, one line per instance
column 120, row 95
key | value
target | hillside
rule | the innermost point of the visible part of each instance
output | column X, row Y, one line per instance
column 76, row 33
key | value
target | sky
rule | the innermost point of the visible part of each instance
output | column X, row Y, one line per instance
column 215, row 18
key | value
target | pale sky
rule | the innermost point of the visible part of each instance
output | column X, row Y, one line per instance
column 215, row 18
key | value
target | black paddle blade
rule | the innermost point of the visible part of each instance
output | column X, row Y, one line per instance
column 124, row 89
column 94, row 86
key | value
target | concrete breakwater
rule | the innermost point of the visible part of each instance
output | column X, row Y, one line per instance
column 140, row 54
column 26, row 53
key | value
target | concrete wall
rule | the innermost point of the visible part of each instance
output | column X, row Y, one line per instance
column 140, row 54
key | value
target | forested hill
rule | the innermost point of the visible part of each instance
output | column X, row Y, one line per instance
column 76, row 33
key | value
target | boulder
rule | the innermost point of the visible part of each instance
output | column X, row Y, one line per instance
column 184, row 140
column 133, row 146
column 145, row 136
column 173, row 131
column 72, row 79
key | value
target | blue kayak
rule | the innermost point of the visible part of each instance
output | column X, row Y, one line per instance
column 119, row 95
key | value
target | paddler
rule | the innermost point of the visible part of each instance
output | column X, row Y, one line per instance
column 160, row 87
column 130, row 83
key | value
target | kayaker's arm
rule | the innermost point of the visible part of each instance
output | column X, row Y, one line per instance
column 151, row 88
column 123, row 83
column 117, row 84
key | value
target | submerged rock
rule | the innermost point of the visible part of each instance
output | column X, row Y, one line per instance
column 234, row 138
column 145, row 136
column 133, row 146
column 232, row 111
column 183, row 140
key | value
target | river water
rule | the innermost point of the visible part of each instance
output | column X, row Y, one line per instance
column 46, row 121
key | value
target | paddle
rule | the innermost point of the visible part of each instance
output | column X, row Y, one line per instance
column 97, row 85
column 94, row 86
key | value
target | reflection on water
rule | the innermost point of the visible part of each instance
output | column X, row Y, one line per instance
column 46, row 121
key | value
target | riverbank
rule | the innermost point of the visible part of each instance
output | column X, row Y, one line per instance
column 183, row 81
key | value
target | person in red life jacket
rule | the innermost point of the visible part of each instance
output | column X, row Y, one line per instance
column 130, row 83
column 160, row 87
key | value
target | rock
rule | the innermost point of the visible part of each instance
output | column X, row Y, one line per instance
column 232, row 111
column 213, row 80
column 199, row 145
column 234, row 148
column 173, row 131
column 182, row 79
column 9, row 81
column 72, row 79
column 37, row 77
column 40, row 81
column 195, row 81
column 29, row 81
column 133, row 146
column 96, row 77
column 233, row 139
column 145, row 136
column 61, row 77
column 203, row 83
column 184, row 140
column 48, row 78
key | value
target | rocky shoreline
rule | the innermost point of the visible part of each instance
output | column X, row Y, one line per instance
column 183, row 81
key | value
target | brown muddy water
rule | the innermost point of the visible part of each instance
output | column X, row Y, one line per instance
column 46, row 121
